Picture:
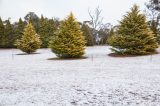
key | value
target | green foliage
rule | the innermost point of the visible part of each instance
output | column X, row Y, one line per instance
column 30, row 41
column 68, row 41
column 88, row 36
column 46, row 30
column 133, row 35
column 2, row 42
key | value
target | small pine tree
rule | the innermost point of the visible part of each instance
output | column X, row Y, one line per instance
column 87, row 34
column 30, row 41
column 2, row 42
column 68, row 41
column 133, row 35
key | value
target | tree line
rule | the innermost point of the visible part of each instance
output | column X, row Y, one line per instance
column 46, row 28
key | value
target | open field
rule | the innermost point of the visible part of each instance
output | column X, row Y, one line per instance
column 99, row 80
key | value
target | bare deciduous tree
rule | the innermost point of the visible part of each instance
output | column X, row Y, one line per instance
column 96, row 18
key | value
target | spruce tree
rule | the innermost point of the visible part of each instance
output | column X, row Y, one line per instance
column 30, row 41
column 1, row 34
column 133, row 36
column 68, row 42
column 87, row 34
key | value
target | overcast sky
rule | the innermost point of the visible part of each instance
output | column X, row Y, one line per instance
column 113, row 10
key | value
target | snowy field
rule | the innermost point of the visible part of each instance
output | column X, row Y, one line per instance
column 99, row 80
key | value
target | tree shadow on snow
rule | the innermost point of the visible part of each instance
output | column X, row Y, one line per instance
column 27, row 53
column 125, row 55
column 56, row 58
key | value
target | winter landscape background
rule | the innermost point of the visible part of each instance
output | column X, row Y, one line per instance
column 76, row 53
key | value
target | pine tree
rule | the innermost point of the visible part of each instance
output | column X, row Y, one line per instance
column 1, row 34
column 9, row 35
column 88, row 36
column 45, row 31
column 30, row 41
column 68, row 41
column 134, row 37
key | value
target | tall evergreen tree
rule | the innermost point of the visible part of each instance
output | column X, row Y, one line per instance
column 134, row 37
column 9, row 35
column 2, row 42
column 88, row 36
column 30, row 41
column 69, row 41
column 45, row 31
column 19, row 29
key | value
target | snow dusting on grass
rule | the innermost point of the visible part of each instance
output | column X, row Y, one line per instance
column 99, row 80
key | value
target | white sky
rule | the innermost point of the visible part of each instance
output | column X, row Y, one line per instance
column 112, row 10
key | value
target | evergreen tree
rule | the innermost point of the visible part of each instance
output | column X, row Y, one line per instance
column 30, row 41
column 68, row 41
column 134, row 37
column 1, row 33
column 45, row 31
column 88, row 36
column 9, row 35
column 19, row 29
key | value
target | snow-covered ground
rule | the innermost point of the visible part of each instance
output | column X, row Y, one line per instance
column 99, row 80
